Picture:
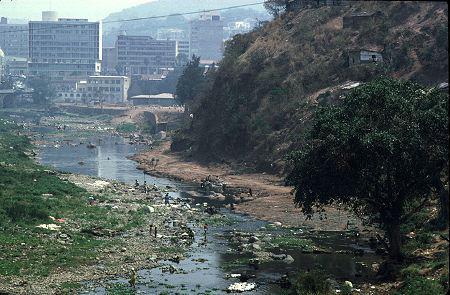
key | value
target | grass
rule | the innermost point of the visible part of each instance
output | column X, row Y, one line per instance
column 292, row 242
column 218, row 220
column 29, row 195
column 127, row 128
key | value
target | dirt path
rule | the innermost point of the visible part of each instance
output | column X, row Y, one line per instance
column 272, row 201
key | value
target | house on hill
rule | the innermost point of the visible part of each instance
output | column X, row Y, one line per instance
column 361, row 19
column 365, row 55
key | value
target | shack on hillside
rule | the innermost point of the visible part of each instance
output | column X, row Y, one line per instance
column 365, row 55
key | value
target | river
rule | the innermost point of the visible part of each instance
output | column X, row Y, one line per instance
column 109, row 160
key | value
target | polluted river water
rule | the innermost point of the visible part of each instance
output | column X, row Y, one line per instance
column 203, row 270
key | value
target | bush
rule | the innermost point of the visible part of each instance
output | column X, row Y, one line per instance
column 312, row 283
column 418, row 285
column 27, row 211
column 126, row 128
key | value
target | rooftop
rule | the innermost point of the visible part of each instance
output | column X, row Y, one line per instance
column 156, row 96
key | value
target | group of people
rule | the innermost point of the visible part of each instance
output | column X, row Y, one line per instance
column 145, row 188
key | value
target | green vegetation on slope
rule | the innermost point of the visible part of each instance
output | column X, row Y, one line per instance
column 258, row 104
column 29, row 195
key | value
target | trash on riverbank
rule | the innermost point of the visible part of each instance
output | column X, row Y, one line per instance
column 51, row 226
column 241, row 287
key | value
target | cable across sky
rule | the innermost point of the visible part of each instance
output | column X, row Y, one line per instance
column 147, row 17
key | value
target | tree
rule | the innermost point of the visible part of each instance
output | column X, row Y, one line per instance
column 190, row 82
column 379, row 152
column 43, row 90
column 277, row 7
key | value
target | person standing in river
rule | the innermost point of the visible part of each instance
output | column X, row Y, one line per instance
column 167, row 199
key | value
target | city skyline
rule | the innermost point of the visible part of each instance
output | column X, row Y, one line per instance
column 93, row 10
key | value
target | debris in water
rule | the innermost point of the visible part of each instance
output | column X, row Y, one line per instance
column 241, row 287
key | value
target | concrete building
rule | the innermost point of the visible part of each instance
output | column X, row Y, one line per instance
column 364, row 56
column 110, row 89
column 109, row 61
column 143, row 55
column 16, row 66
column 65, row 50
column 13, row 38
column 171, row 34
column 183, row 48
column 206, row 37
column 2, row 63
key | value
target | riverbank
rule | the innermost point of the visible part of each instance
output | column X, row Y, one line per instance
column 270, row 201
column 59, row 230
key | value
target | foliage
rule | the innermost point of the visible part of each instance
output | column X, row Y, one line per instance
column 43, row 90
column 312, row 283
column 417, row 284
column 126, row 128
column 378, row 152
column 257, row 106
column 190, row 81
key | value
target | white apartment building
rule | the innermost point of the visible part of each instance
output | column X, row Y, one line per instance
column 183, row 48
column 206, row 37
column 65, row 50
column 109, row 89
column 14, row 38
column 143, row 55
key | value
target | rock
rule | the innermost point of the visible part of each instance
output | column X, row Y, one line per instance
column 123, row 249
column 348, row 284
column 149, row 209
column 278, row 256
column 241, row 287
column 256, row 247
column 289, row 259
column 253, row 239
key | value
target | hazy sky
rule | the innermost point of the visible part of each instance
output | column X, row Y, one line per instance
column 91, row 9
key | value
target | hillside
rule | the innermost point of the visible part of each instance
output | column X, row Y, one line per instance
column 258, row 104
column 166, row 7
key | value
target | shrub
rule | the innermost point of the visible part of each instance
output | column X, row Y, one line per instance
column 312, row 283
column 418, row 285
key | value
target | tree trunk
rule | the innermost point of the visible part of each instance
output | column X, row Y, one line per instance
column 394, row 241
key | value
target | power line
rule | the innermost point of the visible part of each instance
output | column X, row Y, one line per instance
column 143, row 18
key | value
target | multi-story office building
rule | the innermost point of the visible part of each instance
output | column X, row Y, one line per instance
column 14, row 38
column 206, row 37
column 16, row 66
column 109, row 61
column 171, row 34
column 183, row 48
column 109, row 89
column 143, row 55
column 2, row 63
column 65, row 50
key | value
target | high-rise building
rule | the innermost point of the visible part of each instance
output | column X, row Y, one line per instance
column 109, row 61
column 14, row 38
column 183, row 48
column 65, row 50
column 206, row 37
column 171, row 34
column 143, row 55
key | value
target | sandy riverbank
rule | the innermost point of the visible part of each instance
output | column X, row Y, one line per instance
column 272, row 201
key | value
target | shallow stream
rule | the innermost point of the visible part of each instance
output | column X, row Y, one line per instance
column 109, row 160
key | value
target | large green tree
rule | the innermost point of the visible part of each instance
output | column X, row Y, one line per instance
column 191, row 81
column 43, row 90
column 381, row 151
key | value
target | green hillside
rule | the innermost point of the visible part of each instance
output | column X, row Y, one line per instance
column 257, row 105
